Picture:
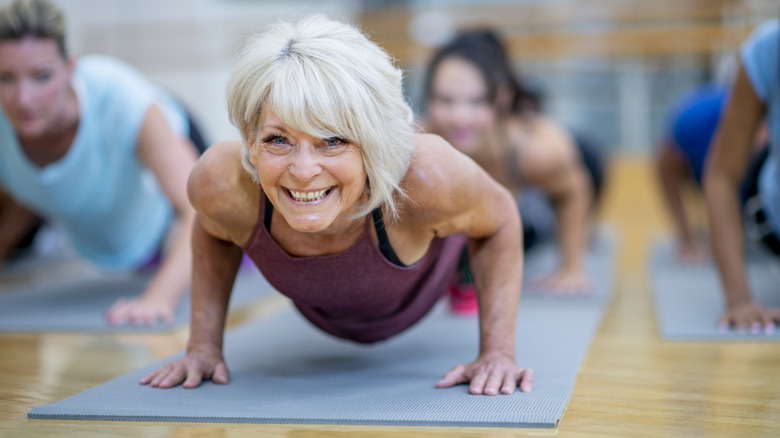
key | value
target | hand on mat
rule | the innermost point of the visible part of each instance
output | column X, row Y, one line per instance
column 489, row 374
column 190, row 371
column 693, row 254
column 140, row 311
column 563, row 283
column 750, row 317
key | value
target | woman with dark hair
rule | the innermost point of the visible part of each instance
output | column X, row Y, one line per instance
column 477, row 104
column 732, row 166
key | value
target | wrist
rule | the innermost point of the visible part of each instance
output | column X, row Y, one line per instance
column 507, row 352
column 195, row 346
column 737, row 299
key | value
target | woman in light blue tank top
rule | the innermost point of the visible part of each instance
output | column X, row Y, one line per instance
column 93, row 147
column 755, row 96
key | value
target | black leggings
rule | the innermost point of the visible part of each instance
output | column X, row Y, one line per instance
column 757, row 225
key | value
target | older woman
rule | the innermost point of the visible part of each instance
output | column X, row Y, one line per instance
column 92, row 146
column 343, row 208
column 475, row 102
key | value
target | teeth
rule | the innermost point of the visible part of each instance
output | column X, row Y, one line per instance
column 308, row 196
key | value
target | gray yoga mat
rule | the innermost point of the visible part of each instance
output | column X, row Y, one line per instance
column 599, row 262
column 689, row 299
column 285, row 371
column 79, row 305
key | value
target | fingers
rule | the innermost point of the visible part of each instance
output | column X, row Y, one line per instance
column 526, row 379
column 455, row 376
column 489, row 379
column 167, row 376
column 221, row 374
column 477, row 385
column 750, row 319
column 138, row 312
column 505, row 382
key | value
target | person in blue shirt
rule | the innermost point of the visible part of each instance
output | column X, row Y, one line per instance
column 94, row 147
column 731, row 166
column 681, row 157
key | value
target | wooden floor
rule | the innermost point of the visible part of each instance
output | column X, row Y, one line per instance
column 631, row 383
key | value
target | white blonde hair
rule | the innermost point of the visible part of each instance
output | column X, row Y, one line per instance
column 327, row 79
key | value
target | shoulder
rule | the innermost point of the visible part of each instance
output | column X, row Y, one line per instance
column 759, row 57
column 441, row 181
column 435, row 164
column 222, row 191
column 550, row 147
column 99, row 69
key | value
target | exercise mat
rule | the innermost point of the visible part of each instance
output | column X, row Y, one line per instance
column 80, row 305
column 689, row 300
column 285, row 371
column 599, row 262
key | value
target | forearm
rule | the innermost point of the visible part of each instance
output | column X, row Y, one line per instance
column 171, row 279
column 215, row 263
column 572, row 211
column 670, row 188
column 723, row 208
column 497, row 265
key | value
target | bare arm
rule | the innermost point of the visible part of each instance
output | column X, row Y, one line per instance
column 552, row 164
column 170, row 159
column 726, row 166
column 456, row 196
column 671, row 167
column 226, row 205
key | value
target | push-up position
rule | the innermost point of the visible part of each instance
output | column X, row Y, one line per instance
column 344, row 208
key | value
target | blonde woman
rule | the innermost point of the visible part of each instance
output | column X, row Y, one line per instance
column 343, row 208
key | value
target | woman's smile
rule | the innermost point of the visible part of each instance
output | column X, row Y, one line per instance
column 308, row 197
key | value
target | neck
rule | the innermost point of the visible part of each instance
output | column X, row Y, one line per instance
column 55, row 142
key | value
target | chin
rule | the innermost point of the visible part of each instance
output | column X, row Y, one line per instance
column 308, row 224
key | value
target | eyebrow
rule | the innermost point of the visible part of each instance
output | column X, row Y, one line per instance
column 277, row 127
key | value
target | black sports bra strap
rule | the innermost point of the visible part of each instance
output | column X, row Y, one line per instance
column 384, row 243
column 269, row 213
column 379, row 225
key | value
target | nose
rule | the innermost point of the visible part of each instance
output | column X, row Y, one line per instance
column 461, row 113
column 305, row 164
column 24, row 94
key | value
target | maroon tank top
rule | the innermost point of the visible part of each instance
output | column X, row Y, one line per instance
column 357, row 294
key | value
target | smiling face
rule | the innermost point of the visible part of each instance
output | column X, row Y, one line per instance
column 458, row 107
column 315, row 183
column 34, row 84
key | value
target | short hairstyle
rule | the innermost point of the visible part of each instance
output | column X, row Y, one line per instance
column 33, row 18
column 326, row 78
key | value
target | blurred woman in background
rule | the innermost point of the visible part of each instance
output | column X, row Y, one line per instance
column 755, row 97
column 475, row 102
column 94, row 147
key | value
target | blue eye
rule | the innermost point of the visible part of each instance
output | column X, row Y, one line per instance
column 335, row 141
column 275, row 140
